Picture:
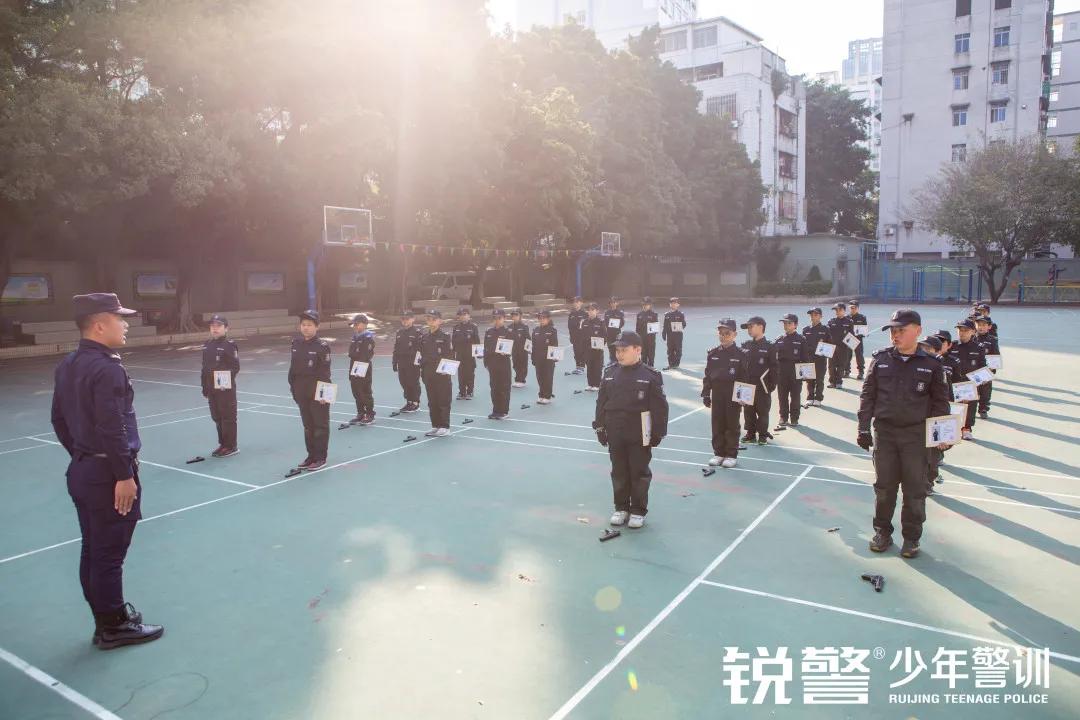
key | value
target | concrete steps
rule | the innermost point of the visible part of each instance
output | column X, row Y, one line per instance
column 73, row 335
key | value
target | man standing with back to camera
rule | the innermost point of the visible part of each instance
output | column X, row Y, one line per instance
column 94, row 418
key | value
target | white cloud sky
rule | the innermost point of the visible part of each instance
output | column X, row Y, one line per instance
column 811, row 36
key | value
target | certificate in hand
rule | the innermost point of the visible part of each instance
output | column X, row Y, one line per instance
column 596, row 343
column 447, row 367
column 825, row 349
column 478, row 351
column 851, row 341
column 652, row 328
column 223, row 380
column 555, row 353
column 359, row 369
column 942, row 430
column 806, row 371
column 981, row 376
column 743, row 393
column 504, row 346
column 965, row 392
column 325, row 392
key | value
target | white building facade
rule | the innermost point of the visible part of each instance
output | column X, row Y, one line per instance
column 1063, row 121
column 613, row 21
column 957, row 74
column 860, row 75
column 734, row 73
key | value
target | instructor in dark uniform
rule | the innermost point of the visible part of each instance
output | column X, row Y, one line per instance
column 904, row 386
column 629, row 389
column 310, row 363
column 93, row 416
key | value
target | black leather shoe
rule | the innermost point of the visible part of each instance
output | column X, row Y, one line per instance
column 881, row 543
column 130, row 613
column 115, row 634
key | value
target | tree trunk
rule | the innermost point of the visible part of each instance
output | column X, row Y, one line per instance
column 476, row 299
column 187, row 271
column 989, row 272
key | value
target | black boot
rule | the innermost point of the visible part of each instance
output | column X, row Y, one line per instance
column 129, row 612
column 117, row 630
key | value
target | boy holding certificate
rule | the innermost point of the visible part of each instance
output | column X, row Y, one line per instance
column 309, row 366
column 647, row 321
column 969, row 358
column 544, row 336
column 672, row 333
column 436, row 346
column 989, row 343
column 220, row 364
column 361, row 370
column 498, row 364
column 465, row 337
column 596, row 336
column 725, row 365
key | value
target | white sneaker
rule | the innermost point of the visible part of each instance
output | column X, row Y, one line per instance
column 543, row 401
column 619, row 517
column 432, row 432
column 591, row 389
column 519, row 384
column 728, row 462
column 442, row 432
column 967, row 435
column 716, row 460
column 636, row 521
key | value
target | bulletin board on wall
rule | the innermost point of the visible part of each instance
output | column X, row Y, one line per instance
column 155, row 284
column 265, row 283
column 27, row 289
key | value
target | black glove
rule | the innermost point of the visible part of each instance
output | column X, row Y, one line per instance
column 865, row 441
column 707, row 401
column 393, row 365
column 655, row 440
column 601, row 435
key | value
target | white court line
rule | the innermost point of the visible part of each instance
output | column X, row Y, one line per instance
column 596, row 679
column 167, row 467
column 882, row 618
column 56, row 686
column 686, row 414
column 237, row 494
column 32, row 447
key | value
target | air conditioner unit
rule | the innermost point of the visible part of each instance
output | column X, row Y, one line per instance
column 890, row 230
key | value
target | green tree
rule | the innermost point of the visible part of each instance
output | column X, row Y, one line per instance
column 1008, row 200
column 841, row 192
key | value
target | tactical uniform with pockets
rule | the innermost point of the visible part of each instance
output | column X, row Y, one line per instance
column 310, row 363
column 724, row 366
column 221, row 354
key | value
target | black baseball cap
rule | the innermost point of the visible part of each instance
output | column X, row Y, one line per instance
column 498, row 312
column 839, row 306
column 944, row 335
column 94, row 303
column 312, row 315
column 515, row 311
column 674, row 300
column 613, row 299
column 966, row 323
column 985, row 318
column 726, row 323
column 813, row 310
column 463, row 311
column 407, row 313
column 544, row 314
column 434, row 313
column 360, row 318
column 853, row 303
column 790, row 317
column 646, row 300
column 628, row 339
column 932, row 340
column 900, row 318
column 219, row 319
column 756, row 320
column 593, row 306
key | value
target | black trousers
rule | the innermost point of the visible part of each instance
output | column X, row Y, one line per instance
column 648, row 349
column 725, row 424
column 815, row 389
column 837, row 364
column 316, row 419
column 499, row 382
column 933, row 462
column 581, row 349
column 409, row 378
column 467, row 375
column 860, row 360
column 521, row 366
column 984, row 396
column 611, row 350
column 630, row 473
column 223, row 413
column 756, row 416
column 790, row 392
column 969, row 421
column 545, row 377
column 595, row 368
column 106, row 534
column 361, row 392
column 674, row 349
column 439, row 389
column 900, row 462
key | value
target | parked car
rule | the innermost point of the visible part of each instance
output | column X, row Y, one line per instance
column 454, row 285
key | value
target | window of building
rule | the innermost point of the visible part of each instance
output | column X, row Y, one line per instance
column 1054, row 95
column 1051, row 147
column 1001, row 36
column 1055, row 63
column 1051, row 121
column 709, row 72
column 705, row 36
column 959, row 115
column 1000, row 73
column 997, row 112
column 1002, row 4
column 960, row 79
column 789, row 208
column 962, row 43
column 723, row 106
column 670, row 42
column 963, row 7
column 959, row 153
column 787, row 165
column 1058, row 31
column 789, row 124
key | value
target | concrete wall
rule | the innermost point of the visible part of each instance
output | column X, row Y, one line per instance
column 836, row 257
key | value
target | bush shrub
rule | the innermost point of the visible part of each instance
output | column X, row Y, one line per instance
column 767, row 289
